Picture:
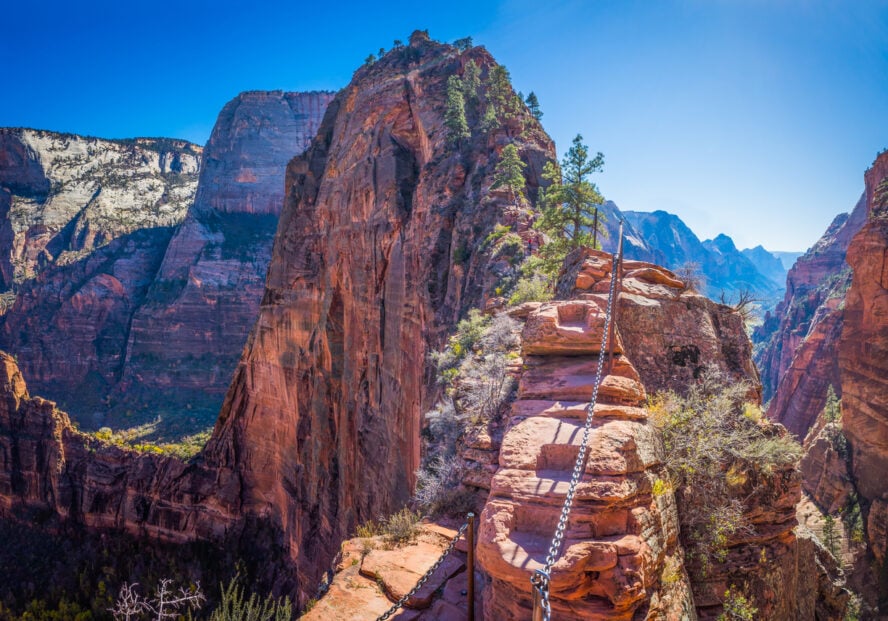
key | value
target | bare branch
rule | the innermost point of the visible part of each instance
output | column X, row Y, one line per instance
column 129, row 605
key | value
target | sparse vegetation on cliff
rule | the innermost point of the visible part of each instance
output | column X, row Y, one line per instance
column 474, row 368
column 715, row 440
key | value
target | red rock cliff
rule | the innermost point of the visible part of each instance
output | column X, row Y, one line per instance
column 376, row 255
column 797, row 355
column 863, row 359
column 152, row 323
column 186, row 337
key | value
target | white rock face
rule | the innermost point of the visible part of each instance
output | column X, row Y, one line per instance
column 72, row 194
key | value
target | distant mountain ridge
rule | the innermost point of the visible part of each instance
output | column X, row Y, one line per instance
column 663, row 238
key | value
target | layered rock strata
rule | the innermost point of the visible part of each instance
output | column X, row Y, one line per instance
column 621, row 558
column 187, row 336
column 622, row 533
column 671, row 333
column 863, row 360
column 796, row 346
column 72, row 194
column 135, row 320
column 377, row 255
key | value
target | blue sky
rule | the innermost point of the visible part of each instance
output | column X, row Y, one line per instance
column 755, row 118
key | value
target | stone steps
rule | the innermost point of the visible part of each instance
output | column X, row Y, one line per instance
column 617, row 533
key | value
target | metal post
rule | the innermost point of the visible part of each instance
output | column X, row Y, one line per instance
column 471, row 565
column 613, row 322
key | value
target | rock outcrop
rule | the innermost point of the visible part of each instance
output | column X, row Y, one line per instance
column 670, row 333
column 72, row 194
column 377, row 255
column 621, row 558
column 187, row 336
column 623, row 531
column 135, row 319
column 863, row 360
column 796, row 345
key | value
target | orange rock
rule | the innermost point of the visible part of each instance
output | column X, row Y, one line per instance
column 619, row 532
column 566, row 328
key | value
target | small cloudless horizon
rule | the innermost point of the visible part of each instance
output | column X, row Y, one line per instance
column 753, row 118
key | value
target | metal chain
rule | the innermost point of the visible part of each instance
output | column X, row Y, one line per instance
column 540, row 578
column 388, row 613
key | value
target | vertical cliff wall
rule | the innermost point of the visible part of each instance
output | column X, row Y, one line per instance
column 129, row 318
column 796, row 345
column 863, row 360
column 86, row 222
column 187, row 336
column 377, row 254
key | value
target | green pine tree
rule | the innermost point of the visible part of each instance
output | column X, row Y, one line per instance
column 509, row 172
column 570, row 214
column 455, row 114
column 463, row 44
column 533, row 104
column 489, row 121
column 830, row 537
column 832, row 411
column 471, row 83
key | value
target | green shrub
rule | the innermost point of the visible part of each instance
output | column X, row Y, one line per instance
column 236, row 606
column 737, row 608
column 534, row 288
column 712, row 449
column 401, row 527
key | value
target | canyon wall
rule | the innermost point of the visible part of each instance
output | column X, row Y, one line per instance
column 87, row 224
column 863, row 362
column 796, row 345
column 187, row 336
column 129, row 318
column 378, row 253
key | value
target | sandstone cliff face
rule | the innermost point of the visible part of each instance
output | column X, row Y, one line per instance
column 72, row 194
column 622, row 537
column 617, row 504
column 51, row 471
column 863, row 360
column 185, row 339
column 87, row 222
column 375, row 259
column 796, row 346
column 145, row 322
column 671, row 334
column 376, row 256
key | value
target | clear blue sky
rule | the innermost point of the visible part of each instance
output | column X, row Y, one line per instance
column 755, row 118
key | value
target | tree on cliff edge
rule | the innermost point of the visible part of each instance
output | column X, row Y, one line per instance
column 570, row 215
column 533, row 104
column 509, row 172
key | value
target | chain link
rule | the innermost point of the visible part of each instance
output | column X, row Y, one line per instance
column 540, row 578
column 388, row 613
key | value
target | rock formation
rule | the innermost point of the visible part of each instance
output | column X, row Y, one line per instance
column 863, row 362
column 621, row 558
column 622, row 534
column 796, row 345
column 87, row 224
column 376, row 256
column 72, row 194
column 127, row 324
column 187, row 336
